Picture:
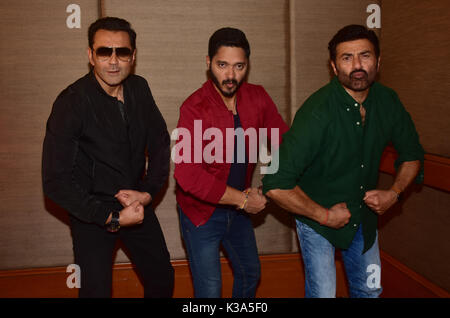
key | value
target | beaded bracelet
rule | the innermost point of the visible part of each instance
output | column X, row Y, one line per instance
column 245, row 201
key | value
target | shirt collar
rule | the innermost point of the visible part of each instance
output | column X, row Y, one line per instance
column 215, row 96
column 346, row 99
column 96, row 85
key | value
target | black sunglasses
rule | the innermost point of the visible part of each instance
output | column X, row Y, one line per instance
column 122, row 53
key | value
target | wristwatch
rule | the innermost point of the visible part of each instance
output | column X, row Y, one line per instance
column 114, row 225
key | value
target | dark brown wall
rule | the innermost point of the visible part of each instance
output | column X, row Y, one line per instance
column 415, row 46
column 41, row 56
column 44, row 56
column 415, row 49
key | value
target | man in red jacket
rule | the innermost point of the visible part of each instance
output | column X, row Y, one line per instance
column 221, row 128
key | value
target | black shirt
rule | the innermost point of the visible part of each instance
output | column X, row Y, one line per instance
column 238, row 168
column 90, row 152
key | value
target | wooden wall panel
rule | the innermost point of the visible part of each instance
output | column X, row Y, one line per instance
column 415, row 50
column 316, row 22
column 45, row 56
column 172, row 41
column 289, row 57
column 416, row 231
column 281, row 277
column 41, row 56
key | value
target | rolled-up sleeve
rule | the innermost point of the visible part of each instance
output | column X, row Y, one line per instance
column 406, row 139
column 300, row 146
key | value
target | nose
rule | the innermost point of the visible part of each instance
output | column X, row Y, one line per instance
column 357, row 63
column 113, row 58
column 230, row 74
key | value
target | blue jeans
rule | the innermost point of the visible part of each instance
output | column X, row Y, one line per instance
column 363, row 270
column 234, row 230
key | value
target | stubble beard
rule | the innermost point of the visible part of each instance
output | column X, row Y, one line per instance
column 229, row 93
column 357, row 83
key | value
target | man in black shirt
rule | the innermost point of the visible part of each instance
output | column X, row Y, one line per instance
column 98, row 135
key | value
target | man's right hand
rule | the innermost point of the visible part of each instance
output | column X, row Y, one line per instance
column 338, row 216
column 256, row 201
column 132, row 214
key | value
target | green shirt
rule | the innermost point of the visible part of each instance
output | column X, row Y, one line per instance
column 333, row 157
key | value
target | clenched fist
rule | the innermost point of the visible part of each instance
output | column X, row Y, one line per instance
column 132, row 214
column 380, row 200
column 338, row 216
column 256, row 201
column 126, row 197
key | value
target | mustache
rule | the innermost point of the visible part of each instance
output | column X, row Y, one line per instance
column 358, row 70
column 230, row 81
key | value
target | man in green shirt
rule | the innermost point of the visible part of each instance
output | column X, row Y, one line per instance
column 329, row 163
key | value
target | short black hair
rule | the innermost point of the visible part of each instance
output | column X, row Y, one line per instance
column 111, row 24
column 350, row 33
column 228, row 37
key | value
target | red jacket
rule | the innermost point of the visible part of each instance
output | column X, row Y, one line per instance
column 200, row 185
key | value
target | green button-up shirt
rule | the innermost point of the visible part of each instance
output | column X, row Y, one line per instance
column 334, row 157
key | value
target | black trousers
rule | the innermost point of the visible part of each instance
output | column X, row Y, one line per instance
column 93, row 248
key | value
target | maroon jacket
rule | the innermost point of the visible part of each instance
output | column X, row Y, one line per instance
column 200, row 185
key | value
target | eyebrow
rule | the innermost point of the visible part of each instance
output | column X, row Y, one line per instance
column 225, row 62
column 360, row 53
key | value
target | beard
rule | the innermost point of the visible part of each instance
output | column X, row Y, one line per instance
column 226, row 92
column 358, row 80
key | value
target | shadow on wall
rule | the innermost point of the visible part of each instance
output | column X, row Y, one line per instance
column 56, row 211
column 396, row 210
column 284, row 217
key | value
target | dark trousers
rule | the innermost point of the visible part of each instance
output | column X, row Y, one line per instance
column 94, row 247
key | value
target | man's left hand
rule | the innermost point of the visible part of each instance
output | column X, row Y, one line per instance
column 380, row 200
column 126, row 197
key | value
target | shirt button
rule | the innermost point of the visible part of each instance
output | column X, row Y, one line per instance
column 362, row 166
column 360, row 206
column 356, row 105
column 348, row 109
column 357, row 123
column 361, row 187
column 355, row 225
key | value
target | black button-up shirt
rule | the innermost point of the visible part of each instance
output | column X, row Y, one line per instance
column 91, row 150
